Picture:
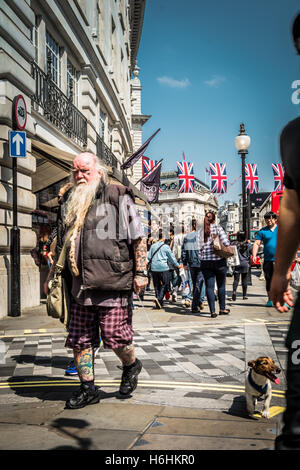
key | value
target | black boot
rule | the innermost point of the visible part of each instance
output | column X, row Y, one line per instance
column 130, row 377
column 82, row 397
column 234, row 295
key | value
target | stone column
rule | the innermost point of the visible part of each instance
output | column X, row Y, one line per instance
column 16, row 79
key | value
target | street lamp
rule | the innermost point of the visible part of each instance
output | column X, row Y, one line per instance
column 242, row 143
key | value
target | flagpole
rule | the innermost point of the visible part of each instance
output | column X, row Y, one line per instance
column 149, row 172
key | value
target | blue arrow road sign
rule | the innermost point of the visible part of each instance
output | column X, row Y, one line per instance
column 17, row 144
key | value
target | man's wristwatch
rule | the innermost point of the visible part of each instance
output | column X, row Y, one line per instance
column 142, row 273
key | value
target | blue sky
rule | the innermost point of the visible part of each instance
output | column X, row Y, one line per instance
column 208, row 66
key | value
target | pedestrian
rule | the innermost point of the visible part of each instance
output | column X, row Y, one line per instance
column 175, row 246
column 268, row 237
column 158, row 257
column 244, row 250
column 214, row 268
column 287, row 244
column 106, row 261
column 190, row 258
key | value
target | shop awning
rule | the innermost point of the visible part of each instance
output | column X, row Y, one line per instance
column 55, row 164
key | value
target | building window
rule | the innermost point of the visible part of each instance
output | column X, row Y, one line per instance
column 72, row 82
column 52, row 51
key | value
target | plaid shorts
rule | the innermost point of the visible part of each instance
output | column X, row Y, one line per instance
column 115, row 324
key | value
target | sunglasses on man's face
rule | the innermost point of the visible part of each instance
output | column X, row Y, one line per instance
column 269, row 217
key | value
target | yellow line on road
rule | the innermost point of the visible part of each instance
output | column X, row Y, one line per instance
column 143, row 384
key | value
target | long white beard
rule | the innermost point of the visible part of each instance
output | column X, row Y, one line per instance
column 81, row 197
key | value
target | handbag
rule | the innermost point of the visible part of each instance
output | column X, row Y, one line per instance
column 220, row 249
column 295, row 277
column 58, row 298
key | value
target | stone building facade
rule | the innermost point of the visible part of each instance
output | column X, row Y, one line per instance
column 177, row 208
column 74, row 62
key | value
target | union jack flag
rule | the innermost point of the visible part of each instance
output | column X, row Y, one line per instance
column 147, row 165
column 218, row 177
column 278, row 171
column 251, row 177
column 186, row 177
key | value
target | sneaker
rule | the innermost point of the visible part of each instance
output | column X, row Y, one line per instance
column 130, row 378
column 187, row 302
column 71, row 369
column 202, row 306
column 195, row 310
column 174, row 297
column 83, row 397
column 269, row 303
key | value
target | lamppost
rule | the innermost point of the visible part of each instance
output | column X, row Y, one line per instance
column 242, row 143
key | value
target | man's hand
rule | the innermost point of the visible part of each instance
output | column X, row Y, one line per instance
column 139, row 283
column 280, row 293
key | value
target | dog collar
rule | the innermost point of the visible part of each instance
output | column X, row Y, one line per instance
column 259, row 388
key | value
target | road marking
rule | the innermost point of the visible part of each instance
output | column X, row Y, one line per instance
column 142, row 383
column 274, row 411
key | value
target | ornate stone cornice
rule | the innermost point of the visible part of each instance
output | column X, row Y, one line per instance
column 137, row 10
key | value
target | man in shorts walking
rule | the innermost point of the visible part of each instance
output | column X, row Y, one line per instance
column 106, row 261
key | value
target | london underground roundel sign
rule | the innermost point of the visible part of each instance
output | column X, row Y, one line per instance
column 19, row 112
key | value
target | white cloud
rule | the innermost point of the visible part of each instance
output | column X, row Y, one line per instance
column 215, row 81
column 171, row 82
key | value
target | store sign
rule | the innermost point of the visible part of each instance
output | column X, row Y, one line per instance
column 19, row 112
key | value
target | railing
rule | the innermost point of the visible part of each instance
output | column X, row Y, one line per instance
column 57, row 107
column 105, row 154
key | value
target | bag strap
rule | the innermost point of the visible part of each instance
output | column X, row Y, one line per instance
column 150, row 261
column 62, row 257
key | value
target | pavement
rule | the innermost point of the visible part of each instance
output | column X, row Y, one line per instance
column 190, row 395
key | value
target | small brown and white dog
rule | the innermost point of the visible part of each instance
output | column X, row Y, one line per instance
column 258, row 383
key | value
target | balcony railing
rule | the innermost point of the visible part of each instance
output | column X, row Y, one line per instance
column 57, row 107
column 105, row 154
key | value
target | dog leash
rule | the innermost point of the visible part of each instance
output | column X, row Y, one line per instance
column 178, row 363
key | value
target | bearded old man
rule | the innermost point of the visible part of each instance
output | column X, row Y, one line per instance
column 106, row 261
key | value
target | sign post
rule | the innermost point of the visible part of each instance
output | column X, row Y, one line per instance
column 17, row 148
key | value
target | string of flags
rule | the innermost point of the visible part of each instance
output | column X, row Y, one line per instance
column 151, row 169
column 218, row 177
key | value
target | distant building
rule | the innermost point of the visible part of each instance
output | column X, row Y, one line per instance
column 178, row 207
column 229, row 217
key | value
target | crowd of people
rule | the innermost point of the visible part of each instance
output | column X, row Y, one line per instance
column 187, row 263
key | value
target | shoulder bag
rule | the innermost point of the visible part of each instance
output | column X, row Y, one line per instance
column 58, row 298
column 220, row 249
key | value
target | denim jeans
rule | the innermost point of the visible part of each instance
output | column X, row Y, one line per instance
column 215, row 271
column 198, row 281
column 161, row 282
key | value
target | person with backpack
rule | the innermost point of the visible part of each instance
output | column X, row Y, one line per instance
column 158, row 257
column 244, row 250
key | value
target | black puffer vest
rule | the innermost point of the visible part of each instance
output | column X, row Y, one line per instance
column 106, row 258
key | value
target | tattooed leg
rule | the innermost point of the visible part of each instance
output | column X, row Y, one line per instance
column 84, row 361
column 126, row 354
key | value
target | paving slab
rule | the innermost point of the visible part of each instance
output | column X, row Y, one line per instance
column 192, row 443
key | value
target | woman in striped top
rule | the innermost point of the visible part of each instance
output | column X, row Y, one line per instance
column 214, row 268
